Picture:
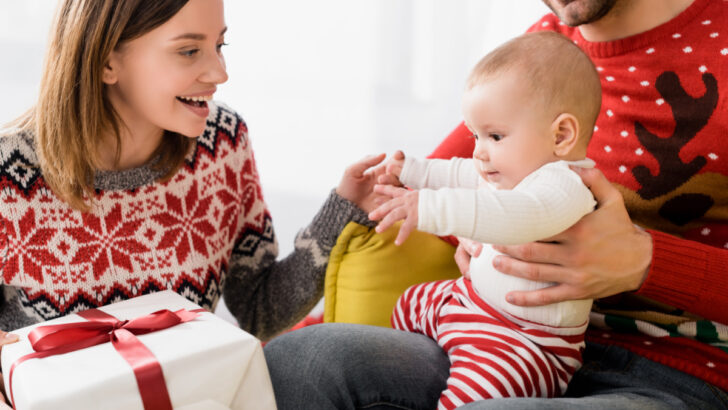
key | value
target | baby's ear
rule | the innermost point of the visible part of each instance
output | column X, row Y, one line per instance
column 565, row 132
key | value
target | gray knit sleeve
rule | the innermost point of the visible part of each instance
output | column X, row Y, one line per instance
column 12, row 315
column 267, row 295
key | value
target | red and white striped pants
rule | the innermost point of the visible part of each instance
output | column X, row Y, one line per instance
column 491, row 355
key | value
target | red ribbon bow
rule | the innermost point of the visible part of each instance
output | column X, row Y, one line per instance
column 101, row 328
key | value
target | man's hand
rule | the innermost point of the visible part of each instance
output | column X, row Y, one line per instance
column 5, row 338
column 601, row 255
column 357, row 184
column 466, row 250
column 401, row 206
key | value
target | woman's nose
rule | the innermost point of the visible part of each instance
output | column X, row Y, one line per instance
column 216, row 70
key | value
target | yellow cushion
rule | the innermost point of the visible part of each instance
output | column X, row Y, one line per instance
column 367, row 272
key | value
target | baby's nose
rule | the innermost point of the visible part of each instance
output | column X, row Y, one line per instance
column 480, row 152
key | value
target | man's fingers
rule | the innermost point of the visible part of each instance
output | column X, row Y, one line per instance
column 599, row 185
column 472, row 247
column 543, row 296
column 539, row 272
column 462, row 259
column 537, row 252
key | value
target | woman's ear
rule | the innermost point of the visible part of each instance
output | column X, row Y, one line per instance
column 110, row 73
column 565, row 131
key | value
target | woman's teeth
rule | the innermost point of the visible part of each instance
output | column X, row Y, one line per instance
column 203, row 98
column 197, row 99
column 200, row 101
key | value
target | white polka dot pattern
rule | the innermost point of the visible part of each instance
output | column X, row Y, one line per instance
column 673, row 71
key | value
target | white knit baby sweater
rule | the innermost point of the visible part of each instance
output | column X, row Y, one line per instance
column 454, row 200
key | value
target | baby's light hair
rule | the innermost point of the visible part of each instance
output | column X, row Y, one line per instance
column 558, row 74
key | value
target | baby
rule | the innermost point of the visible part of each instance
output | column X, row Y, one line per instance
column 531, row 105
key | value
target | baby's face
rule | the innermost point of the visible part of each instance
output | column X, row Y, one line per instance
column 513, row 137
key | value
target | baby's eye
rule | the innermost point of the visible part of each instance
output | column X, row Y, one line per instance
column 474, row 136
column 495, row 137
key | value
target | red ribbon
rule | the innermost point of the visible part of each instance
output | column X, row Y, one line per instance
column 101, row 328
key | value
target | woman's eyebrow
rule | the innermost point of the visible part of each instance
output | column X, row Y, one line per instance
column 195, row 36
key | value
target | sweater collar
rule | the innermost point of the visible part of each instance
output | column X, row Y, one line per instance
column 604, row 49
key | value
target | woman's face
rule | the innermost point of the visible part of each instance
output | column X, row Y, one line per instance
column 162, row 80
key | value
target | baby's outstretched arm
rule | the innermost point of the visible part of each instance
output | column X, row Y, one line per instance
column 401, row 206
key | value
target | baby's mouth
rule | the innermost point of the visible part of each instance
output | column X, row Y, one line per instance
column 486, row 171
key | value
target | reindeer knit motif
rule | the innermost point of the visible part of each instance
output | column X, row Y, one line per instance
column 661, row 140
column 205, row 232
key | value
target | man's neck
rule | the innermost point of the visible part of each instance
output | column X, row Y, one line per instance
column 630, row 17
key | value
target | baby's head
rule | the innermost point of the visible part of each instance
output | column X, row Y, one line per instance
column 531, row 101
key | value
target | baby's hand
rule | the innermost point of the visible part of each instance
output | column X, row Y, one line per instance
column 393, row 169
column 395, row 164
column 401, row 206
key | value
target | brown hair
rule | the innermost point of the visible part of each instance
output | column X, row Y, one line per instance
column 73, row 111
column 558, row 73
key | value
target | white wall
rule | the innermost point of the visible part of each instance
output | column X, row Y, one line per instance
column 321, row 83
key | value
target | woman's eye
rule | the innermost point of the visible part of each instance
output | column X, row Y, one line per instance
column 220, row 46
column 189, row 53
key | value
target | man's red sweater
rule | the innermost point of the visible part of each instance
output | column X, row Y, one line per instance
column 662, row 139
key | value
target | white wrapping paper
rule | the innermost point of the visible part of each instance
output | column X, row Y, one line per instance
column 207, row 364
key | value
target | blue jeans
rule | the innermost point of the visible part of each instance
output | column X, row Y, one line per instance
column 342, row 366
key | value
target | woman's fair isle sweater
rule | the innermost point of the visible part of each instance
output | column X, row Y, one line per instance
column 203, row 233
column 661, row 140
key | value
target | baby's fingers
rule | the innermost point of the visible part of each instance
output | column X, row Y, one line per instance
column 389, row 190
column 388, row 179
column 404, row 231
column 390, row 219
column 382, row 210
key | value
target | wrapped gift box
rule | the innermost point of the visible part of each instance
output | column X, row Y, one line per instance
column 207, row 364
